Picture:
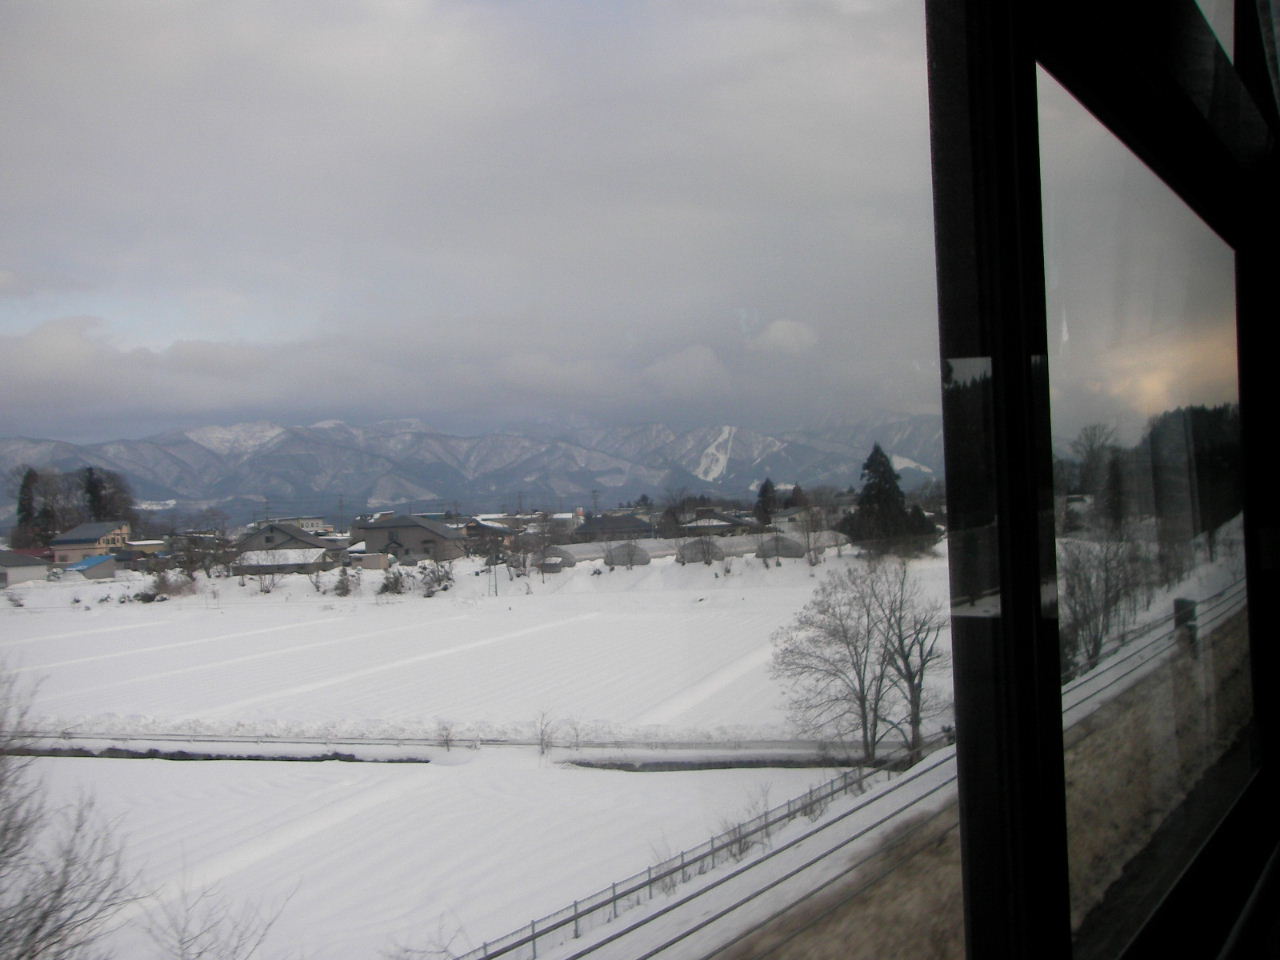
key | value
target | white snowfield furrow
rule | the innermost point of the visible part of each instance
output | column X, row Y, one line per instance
column 269, row 839
column 395, row 665
column 85, row 633
column 221, row 638
column 672, row 708
column 217, row 665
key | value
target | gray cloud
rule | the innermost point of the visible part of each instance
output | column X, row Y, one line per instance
column 690, row 211
column 1140, row 292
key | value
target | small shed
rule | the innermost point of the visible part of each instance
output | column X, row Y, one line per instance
column 777, row 545
column 607, row 527
column 559, row 556
column 18, row 568
column 701, row 550
column 551, row 564
column 627, row 554
column 102, row 567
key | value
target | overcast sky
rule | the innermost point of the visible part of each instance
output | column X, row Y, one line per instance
column 475, row 212
column 465, row 211
column 1140, row 293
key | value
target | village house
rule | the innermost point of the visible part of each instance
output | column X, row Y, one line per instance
column 613, row 527
column 89, row 540
column 313, row 525
column 18, row 568
column 276, row 547
column 410, row 538
column 708, row 521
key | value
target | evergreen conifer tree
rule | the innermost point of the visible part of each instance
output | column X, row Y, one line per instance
column 797, row 498
column 94, row 493
column 1113, row 506
column 23, row 533
column 882, row 522
column 766, row 501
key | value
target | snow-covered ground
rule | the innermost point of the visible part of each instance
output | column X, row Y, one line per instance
column 659, row 652
column 462, row 849
column 360, row 857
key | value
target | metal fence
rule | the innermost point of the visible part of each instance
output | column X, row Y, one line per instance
column 606, row 905
column 735, row 844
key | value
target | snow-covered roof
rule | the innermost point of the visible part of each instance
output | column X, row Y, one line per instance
column 397, row 520
column 280, row 558
column 493, row 525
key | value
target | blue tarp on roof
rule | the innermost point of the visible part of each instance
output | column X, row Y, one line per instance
column 89, row 563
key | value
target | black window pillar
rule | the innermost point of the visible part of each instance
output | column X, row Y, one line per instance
column 982, row 89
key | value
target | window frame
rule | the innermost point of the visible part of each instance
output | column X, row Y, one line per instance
column 1153, row 73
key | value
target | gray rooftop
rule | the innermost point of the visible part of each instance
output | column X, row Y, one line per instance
column 10, row 559
column 401, row 521
column 87, row 532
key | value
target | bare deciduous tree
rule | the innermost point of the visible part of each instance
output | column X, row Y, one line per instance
column 205, row 926
column 440, row 946
column 444, row 733
column 909, row 627
column 1093, row 447
column 1094, row 580
column 836, row 668
column 857, row 656
column 61, row 878
column 545, row 728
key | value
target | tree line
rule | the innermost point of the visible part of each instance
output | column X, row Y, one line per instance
column 50, row 502
column 1144, row 509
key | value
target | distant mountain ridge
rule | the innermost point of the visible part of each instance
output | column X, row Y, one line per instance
column 247, row 467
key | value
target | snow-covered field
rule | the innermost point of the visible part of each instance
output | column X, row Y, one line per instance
column 459, row 850
column 656, row 652
column 359, row 858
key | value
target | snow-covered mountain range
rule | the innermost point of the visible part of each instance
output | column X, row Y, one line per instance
column 306, row 468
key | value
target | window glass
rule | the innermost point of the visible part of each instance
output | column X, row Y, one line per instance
column 1221, row 16
column 1150, row 562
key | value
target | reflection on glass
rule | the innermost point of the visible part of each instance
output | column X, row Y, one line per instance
column 1148, row 526
column 1221, row 15
column 971, row 524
